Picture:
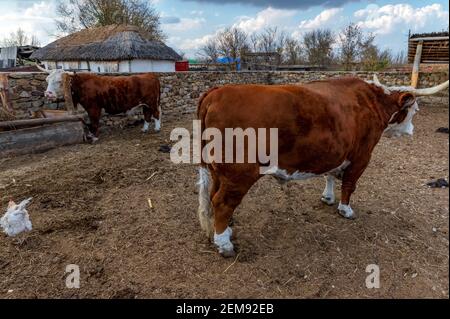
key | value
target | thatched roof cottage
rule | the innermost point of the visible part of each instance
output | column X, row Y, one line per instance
column 115, row 48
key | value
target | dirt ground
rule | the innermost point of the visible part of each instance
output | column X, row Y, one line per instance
column 90, row 208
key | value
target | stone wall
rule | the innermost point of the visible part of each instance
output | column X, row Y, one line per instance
column 26, row 93
column 180, row 91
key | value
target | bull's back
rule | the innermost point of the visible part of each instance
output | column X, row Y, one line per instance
column 118, row 94
column 309, row 124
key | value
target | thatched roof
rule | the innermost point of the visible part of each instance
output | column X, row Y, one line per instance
column 110, row 43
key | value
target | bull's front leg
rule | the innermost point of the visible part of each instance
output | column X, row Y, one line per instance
column 94, row 127
column 328, row 196
column 349, row 180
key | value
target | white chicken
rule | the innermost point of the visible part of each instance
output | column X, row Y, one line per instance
column 16, row 220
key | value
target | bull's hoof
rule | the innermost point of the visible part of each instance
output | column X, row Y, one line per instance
column 327, row 200
column 227, row 252
column 144, row 130
column 93, row 140
column 346, row 215
column 346, row 211
column 224, row 244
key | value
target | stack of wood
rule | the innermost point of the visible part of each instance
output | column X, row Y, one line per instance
column 435, row 47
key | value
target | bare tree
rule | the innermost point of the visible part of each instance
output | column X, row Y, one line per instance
column 372, row 58
column 318, row 46
column 232, row 43
column 272, row 40
column 254, row 42
column 19, row 38
column 209, row 51
column 75, row 15
column 351, row 41
column 292, row 51
column 35, row 41
column 358, row 50
column 400, row 58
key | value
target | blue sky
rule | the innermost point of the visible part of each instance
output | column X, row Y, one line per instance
column 189, row 24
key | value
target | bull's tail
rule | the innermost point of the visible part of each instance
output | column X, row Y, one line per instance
column 205, row 213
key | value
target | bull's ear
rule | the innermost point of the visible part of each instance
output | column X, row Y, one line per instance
column 406, row 99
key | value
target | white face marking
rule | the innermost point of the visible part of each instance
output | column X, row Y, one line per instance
column 223, row 242
column 404, row 128
column 55, row 86
column 346, row 211
column 328, row 196
column 146, row 127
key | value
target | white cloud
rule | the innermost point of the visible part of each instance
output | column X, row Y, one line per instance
column 185, row 24
column 321, row 19
column 37, row 20
column 265, row 18
column 194, row 44
column 386, row 19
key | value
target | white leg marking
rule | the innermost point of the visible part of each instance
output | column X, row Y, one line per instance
column 204, row 208
column 346, row 211
column 157, row 125
column 223, row 243
column 92, row 137
column 328, row 194
column 146, row 127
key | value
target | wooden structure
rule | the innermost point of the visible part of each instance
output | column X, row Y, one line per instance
column 261, row 60
column 11, row 57
column 427, row 48
column 434, row 47
column 39, row 135
column 48, row 129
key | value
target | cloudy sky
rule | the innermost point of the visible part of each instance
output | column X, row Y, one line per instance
column 190, row 23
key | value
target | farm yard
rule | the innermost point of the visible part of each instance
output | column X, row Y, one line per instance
column 90, row 208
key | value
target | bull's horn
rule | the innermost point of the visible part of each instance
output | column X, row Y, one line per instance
column 41, row 68
column 431, row 91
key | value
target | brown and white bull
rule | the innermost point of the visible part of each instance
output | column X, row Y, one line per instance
column 325, row 128
column 114, row 94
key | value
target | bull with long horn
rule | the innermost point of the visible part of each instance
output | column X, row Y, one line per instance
column 401, row 121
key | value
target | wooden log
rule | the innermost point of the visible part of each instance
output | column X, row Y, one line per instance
column 416, row 65
column 4, row 93
column 429, row 39
column 40, row 139
column 36, row 122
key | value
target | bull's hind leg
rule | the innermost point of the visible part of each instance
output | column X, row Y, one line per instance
column 147, row 118
column 151, row 114
column 328, row 196
column 225, row 201
column 94, row 125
